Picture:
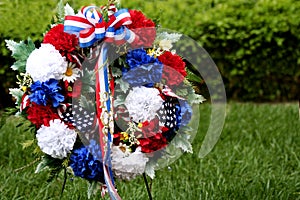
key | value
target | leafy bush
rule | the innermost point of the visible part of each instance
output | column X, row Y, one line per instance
column 254, row 43
column 256, row 46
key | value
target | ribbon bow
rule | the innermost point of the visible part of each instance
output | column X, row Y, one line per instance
column 90, row 26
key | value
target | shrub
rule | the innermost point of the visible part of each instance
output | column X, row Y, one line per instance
column 256, row 46
column 254, row 43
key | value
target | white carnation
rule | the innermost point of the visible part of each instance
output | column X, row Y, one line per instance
column 56, row 140
column 126, row 166
column 46, row 63
column 142, row 103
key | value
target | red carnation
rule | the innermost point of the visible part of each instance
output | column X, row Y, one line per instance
column 174, row 61
column 174, row 68
column 153, row 143
column 144, row 29
column 149, row 129
column 41, row 115
column 65, row 43
column 73, row 89
column 171, row 76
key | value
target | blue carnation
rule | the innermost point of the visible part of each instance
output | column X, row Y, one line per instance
column 143, row 68
column 144, row 75
column 186, row 112
column 138, row 57
column 44, row 92
column 86, row 162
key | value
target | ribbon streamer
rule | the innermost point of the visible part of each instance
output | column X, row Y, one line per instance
column 24, row 102
column 105, row 118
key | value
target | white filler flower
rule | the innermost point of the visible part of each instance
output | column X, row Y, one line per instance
column 127, row 167
column 46, row 63
column 166, row 45
column 142, row 103
column 72, row 73
column 56, row 140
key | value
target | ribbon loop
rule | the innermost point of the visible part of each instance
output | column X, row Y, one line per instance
column 92, row 14
column 90, row 27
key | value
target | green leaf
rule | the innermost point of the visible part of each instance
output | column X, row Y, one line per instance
column 193, row 77
column 124, row 86
column 116, row 72
column 88, row 81
column 150, row 168
column 182, row 92
column 195, row 98
column 20, row 52
column 182, row 141
column 69, row 10
column 41, row 166
column 86, row 103
column 119, row 100
column 60, row 12
column 198, row 99
column 17, row 94
column 54, row 165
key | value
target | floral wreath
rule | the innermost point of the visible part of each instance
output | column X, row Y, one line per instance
column 106, row 93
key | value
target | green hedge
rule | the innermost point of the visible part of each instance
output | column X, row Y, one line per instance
column 254, row 43
column 256, row 46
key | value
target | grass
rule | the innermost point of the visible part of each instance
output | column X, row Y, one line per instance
column 256, row 157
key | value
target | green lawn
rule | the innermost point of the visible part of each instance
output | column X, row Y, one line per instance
column 257, row 157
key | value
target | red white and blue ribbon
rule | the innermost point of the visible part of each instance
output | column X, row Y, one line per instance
column 105, row 119
column 24, row 102
column 168, row 92
column 90, row 26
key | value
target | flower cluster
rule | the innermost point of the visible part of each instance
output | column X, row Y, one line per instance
column 152, row 111
column 58, row 95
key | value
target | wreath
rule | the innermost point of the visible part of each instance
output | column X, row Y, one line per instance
column 106, row 94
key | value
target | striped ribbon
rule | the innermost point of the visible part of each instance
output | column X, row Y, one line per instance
column 90, row 26
column 24, row 102
column 111, row 9
column 63, row 108
column 105, row 118
column 168, row 92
